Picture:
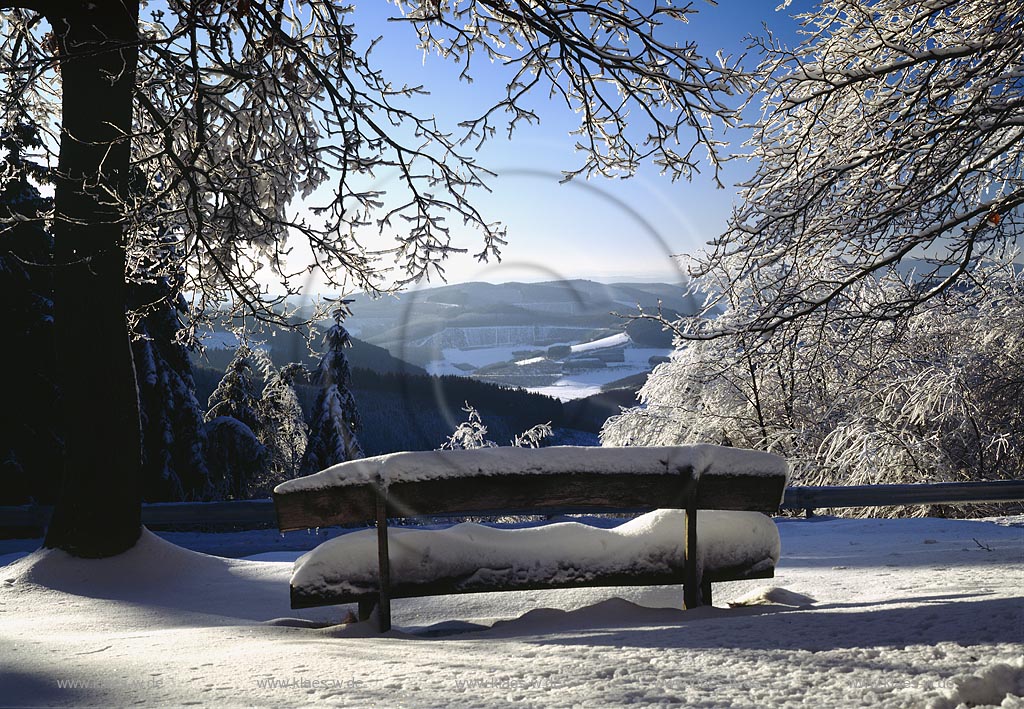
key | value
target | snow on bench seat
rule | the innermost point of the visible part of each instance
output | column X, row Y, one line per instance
column 470, row 557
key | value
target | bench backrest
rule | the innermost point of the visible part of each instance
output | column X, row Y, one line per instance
column 559, row 479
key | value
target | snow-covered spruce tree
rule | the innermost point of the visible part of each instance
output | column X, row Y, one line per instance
column 234, row 112
column 173, row 438
column 236, row 394
column 333, row 432
column 237, row 459
column 284, row 431
column 236, row 456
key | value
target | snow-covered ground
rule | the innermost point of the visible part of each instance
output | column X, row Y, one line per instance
column 920, row 612
column 577, row 386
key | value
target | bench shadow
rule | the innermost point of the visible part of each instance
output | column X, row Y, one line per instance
column 835, row 626
column 988, row 621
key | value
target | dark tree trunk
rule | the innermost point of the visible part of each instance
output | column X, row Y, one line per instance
column 98, row 513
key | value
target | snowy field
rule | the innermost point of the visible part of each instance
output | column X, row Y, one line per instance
column 583, row 384
column 911, row 613
column 566, row 388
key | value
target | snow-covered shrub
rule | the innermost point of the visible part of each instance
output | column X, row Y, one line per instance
column 937, row 395
column 534, row 436
column 470, row 434
column 948, row 404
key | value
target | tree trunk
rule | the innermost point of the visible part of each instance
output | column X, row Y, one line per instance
column 98, row 512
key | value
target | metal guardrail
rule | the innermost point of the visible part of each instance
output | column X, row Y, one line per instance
column 260, row 513
column 233, row 514
column 809, row 498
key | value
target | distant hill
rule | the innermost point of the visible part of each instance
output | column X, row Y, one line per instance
column 590, row 413
column 418, row 358
column 397, row 323
column 430, row 327
column 286, row 346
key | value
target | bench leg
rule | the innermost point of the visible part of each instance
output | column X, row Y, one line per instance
column 384, row 564
column 366, row 606
column 385, row 615
column 693, row 583
column 705, row 592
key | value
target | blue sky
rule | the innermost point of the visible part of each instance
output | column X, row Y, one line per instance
column 598, row 228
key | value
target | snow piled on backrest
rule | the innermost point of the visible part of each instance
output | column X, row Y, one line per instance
column 415, row 466
column 480, row 557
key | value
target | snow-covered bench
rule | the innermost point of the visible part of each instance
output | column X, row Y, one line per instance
column 670, row 546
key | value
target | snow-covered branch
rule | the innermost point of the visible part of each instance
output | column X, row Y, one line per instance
column 891, row 133
column 261, row 125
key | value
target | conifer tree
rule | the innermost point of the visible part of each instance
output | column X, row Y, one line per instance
column 332, row 437
column 235, row 395
column 173, row 439
column 236, row 457
column 284, row 432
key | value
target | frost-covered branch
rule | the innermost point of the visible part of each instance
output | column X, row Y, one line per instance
column 934, row 396
column 616, row 63
column 258, row 126
column 892, row 133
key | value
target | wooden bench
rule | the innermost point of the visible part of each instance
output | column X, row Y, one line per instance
column 546, row 481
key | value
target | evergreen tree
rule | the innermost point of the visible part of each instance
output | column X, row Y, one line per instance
column 236, row 458
column 336, row 421
column 284, row 432
column 173, row 463
column 31, row 444
column 235, row 396
column 31, row 450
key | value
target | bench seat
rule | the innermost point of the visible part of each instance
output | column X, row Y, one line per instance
column 471, row 558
